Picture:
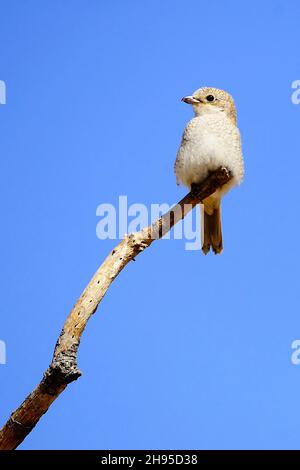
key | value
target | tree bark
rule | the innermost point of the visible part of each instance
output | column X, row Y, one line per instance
column 63, row 368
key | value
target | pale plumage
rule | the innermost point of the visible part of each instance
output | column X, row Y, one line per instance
column 210, row 140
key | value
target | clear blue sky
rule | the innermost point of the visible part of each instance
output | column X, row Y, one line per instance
column 185, row 351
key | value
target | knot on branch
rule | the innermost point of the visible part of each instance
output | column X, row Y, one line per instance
column 140, row 240
column 62, row 371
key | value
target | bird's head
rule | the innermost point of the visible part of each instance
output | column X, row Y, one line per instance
column 212, row 100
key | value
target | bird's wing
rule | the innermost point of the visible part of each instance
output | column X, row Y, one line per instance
column 180, row 158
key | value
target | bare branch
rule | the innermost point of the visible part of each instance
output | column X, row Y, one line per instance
column 63, row 368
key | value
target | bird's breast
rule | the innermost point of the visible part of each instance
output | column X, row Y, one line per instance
column 208, row 143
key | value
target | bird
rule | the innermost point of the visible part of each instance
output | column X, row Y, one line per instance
column 210, row 140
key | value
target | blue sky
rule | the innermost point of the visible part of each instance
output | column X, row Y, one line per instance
column 185, row 351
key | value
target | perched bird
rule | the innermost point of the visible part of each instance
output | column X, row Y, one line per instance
column 210, row 140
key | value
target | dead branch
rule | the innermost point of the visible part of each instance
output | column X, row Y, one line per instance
column 63, row 368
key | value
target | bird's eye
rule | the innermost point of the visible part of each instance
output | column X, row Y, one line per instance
column 210, row 98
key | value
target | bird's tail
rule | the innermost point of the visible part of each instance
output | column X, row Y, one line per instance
column 211, row 229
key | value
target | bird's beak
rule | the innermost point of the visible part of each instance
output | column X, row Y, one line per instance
column 190, row 100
